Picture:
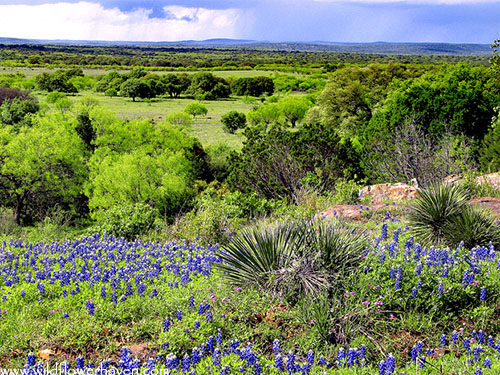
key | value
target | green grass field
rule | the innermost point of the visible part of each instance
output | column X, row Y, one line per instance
column 33, row 71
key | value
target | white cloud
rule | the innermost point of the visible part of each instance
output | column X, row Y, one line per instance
column 416, row 2
column 90, row 21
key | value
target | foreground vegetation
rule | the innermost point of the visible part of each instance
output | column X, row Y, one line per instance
column 204, row 254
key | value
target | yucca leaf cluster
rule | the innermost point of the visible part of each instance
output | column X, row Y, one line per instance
column 294, row 258
column 443, row 215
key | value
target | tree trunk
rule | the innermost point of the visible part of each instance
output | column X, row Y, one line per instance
column 18, row 210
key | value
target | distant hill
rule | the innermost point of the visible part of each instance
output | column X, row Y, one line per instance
column 317, row 46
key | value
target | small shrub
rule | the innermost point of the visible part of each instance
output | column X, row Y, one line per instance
column 128, row 221
column 233, row 121
column 111, row 92
column 196, row 109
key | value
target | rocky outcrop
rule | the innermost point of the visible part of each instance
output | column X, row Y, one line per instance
column 383, row 193
column 492, row 179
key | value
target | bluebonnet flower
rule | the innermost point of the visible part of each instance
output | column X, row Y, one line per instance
column 153, row 293
column 445, row 271
column 171, row 362
column 225, row 370
column 179, row 315
column 103, row 292
column 165, row 345
column 381, row 368
column 80, row 363
column 399, row 276
column 211, row 344
column 419, row 347
column 278, row 362
column 186, row 363
column 390, row 364
column 467, row 345
column 166, row 324
column 31, row 360
column 481, row 337
column 322, row 361
column 276, row 347
column 196, row 324
column 384, row 231
column 341, row 356
column 414, row 292
column 351, row 357
column 478, row 371
column 490, row 342
column 209, row 316
column 440, row 288
column 422, row 362
column 150, row 366
column 454, row 337
column 487, row 363
column 392, row 273
column 90, row 307
column 442, row 340
column 290, row 363
column 216, row 357
column 482, row 296
column 191, row 302
column 477, row 353
column 41, row 288
column 218, row 338
column 141, row 289
column 413, row 353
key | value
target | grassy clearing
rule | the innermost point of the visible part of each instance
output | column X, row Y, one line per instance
column 33, row 71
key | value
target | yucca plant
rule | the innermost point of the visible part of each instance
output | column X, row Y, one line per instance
column 443, row 216
column 341, row 249
column 432, row 211
column 293, row 258
column 474, row 226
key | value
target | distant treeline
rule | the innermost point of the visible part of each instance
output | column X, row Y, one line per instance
column 182, row 57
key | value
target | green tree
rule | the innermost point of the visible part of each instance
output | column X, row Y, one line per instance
column 196, row 109
column 275, row 163
column 212, row 87
column 253, row 86
column 142, row 161
column 233, row 121
column 489, row 153
column 495, row 59
column 18, row 112
column 459, row 99
column 176, row 84
column 294, row 109
column 265, row 115
column 135, row 88
column 40, row 166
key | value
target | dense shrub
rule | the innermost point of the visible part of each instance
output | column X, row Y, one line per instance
column 126, row 220
column 275, row 163
column 233, row 120
column 253, row 86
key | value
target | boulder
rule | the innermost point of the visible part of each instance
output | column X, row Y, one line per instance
column 381, row 193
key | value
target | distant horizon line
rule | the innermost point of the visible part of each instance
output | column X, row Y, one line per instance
column 236, row 40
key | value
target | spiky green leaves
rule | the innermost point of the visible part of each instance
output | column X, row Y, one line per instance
column 442, row 216
column 293, row 258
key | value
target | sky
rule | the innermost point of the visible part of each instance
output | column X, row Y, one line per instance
column 455, row 21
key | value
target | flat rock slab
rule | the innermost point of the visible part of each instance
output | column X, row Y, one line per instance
column 492, row 204
column 356, row 212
